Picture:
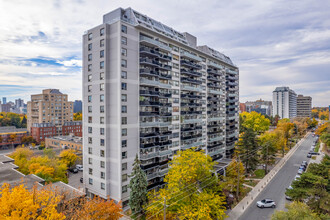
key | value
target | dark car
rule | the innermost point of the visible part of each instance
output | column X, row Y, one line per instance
column 73, row 170
column 314, row 153
column 309, row 155
column 81, row 179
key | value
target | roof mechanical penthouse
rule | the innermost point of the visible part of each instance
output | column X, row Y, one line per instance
column 150, row 90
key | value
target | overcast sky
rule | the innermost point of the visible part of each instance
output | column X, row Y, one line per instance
column 274, row 43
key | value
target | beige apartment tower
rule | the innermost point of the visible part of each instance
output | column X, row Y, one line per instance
column 304, row 106
column 51, row 106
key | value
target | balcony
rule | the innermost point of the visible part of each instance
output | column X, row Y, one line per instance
column 146, row 113
column 216, row 151
column 195, row 144
column 212, row 78
column 165, row 133
column 214, row 72
column 191, row 121
column 228, row 77
column 165, row 95
column 148, row 134
column 149, row 103
column 191, row 96
column 165, row 67
column 190, row 56
column 191, row 104
column 163, row 172
column 165, row 113
column 190, row 72
column 218, row 92
column 214, row 85
column 149, row 93
column 149, row 155
column 149, row 51
column 191, row 128
column 231, row 118
column 191, row 137
column 217, row 138
column 165, row 76
column 234, row 134
column 191, row 112
column 190, row 64
column 150, row 62
column 231, row 84
column 231, row 71
column 165, row 152
column 165, row 123
column 148, row 72
column 152, row 175
column 149, row 82
column 189, row 80
column 215, row 118
column 149, row 124
column 232, row 95
column 215, row 65
column 165, row 104
column 164, row 85
column 191, row 88
column 154, row 43
column 165, row 57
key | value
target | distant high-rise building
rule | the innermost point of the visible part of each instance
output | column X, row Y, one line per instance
column 77, row 106
column 19, row 103
column 49, row 107
column 149, row 90
column 304, row 106
column 260, row 106
column 4, row 100
column 284, row 102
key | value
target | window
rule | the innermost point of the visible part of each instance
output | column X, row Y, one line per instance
column 102, row 153
column 90, row 119
column 102, row 175
column 90, row 161
column 90, row 181
column 89, row 88
column 89, row 57
column 124, row 120
column 123, row 74
column 124, row 143
column 101, row 98
column 89, row 67
column 124, row 166
column 101, row 120
column 101, row 31
column 102, row 109
column 124, row 52
column 124, row 40
column 123, row 109
column 102, row 43
column 123, row 97
column 102, row 87
column 102, row 76
column 124, row 177
column 124, row 155
column 124, row 132
column 102, row 186
column 101, row 53
column 89, row 109
column 123, row 63
column 90, row 36
column 90, row 171
column 89, row 98
column 102, row 65
column 101, row 131
column 90, row 47
column 124, row 29
column 102, row 142
column 124, row 189
column 102, row 164
column 90, row 130
column 89, row 78
column 90, row 150
column 123, row 86
column 90, row 140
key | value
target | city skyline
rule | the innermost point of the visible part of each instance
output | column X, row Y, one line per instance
column 273, row 43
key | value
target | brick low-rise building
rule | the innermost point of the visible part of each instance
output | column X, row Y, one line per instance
column 72, row 127
column 64, row 142
column 6, row 136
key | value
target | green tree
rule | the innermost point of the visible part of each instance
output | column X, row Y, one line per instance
column 247, row 149
column 255, row 121
column 268, row 151
column 138, row 194
column 296, row 210
column 49, row 153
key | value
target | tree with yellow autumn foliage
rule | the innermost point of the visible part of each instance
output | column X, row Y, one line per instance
column 77, row 116
column 20, row 203
column 255, row 121
column 192, row 190
column 69, row 157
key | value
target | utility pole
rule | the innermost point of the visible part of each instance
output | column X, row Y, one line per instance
column 164, row 208
column 266, row 165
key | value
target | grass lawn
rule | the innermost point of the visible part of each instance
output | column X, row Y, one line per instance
column 260, row 173
column 252, row 183
column 317, row 147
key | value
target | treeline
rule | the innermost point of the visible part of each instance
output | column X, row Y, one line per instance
column 12, row 119
column 324, row 132
column 321, row 113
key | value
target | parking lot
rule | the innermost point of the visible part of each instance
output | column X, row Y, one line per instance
column 74, row 180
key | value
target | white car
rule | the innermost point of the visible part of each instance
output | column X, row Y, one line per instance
column 286, row 196
column 79, row 167
column 297, row 177
column 266, row 203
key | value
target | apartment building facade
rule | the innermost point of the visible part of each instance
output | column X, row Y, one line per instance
column 149, row 90
column 51, row 106
column 284, row 102
column 260, row 106
column 304, row 106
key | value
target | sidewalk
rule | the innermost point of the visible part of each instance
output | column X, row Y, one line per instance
column 239, row 209
column 318, row 158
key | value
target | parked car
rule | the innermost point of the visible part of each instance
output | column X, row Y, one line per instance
column 286, row 196
column 314, row 153
column 81, row 179
column 309, row 155
column 297, row 177
column 73, row 170
column 266, row 203
column 304, row 163
column 302, row 167
column 300, row 171
column 79, row 167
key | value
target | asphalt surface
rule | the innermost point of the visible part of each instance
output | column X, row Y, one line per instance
column 276, row 187
column 74, row 180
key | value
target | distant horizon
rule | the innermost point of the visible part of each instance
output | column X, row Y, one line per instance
column 272, row 45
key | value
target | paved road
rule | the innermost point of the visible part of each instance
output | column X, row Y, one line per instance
column 276, row 188
column 74, row 180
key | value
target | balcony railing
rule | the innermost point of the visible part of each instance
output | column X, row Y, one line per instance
column 155, row 43
column 188, row 80
column 191, row 88
column 218, row 138
column 190, row 64
column 215, row 65
column 190, row 56
column 190, row 72
column 215, row 118
column 149, row 82
column 149, row 93
column 149, row 51
column 187, row 146
column 218, row 92
column 231, row 71
column 149, row 124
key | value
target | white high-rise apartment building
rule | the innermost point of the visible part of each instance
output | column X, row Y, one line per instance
column 284, row 102
column 149, row 90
